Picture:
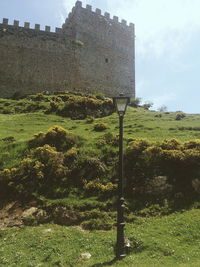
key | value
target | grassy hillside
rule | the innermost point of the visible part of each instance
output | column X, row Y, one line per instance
column 138, row 123
column 73, row 182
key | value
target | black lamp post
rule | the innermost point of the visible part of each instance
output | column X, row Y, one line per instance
column 121, row 103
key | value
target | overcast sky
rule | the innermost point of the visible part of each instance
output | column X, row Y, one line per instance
column 167, row 42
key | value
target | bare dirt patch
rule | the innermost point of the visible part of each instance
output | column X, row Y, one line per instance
column 12, row 214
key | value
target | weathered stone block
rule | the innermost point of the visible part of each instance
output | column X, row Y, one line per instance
column 115, row 18
column 37, row 27
column 58, row 30
column 124, row 22
column 47, row 28
column 78, row 4
column 89, row 7
column 107, row 15
column 27, row 25
column 16, row 23
column 98, row 11
column 5, row 21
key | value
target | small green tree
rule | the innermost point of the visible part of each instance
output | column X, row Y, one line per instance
column 135, row 102
column 147, row 105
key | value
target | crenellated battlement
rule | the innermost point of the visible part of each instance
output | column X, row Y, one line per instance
column 98, row 11
column 26, row 26
column 78, row 5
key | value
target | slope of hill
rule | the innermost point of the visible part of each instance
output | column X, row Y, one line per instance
column 60, row 166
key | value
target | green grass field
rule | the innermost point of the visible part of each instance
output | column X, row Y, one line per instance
column 172, row 240
column 138, row 123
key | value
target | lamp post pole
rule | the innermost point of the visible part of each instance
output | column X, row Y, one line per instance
column 121, row 103
column 120, row 249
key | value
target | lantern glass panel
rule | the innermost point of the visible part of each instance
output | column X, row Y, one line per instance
column 121, row 104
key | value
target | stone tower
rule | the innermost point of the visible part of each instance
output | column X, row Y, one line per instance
column 91, row 53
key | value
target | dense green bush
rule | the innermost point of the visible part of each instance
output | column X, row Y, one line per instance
column 73, row 105
column 100, row 96
column 153, row 170
column 180, row 115
column 135, row 102
column 43, row 172
column 96, row 188
column 97, row 224
column 81, row 107
column 45, row 169
column 100, row 126
column 90, row 119
column 53, row 106
column 56, row 136
column 108, row 139
column 86, row 168
column 53, row 166
column 147, row 105
column 174, row 165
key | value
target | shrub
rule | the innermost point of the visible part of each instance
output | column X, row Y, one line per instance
column 7, row 111
column 87, row 168
column 8, row 139
column 100, row 126
column 43, row 166
column 95, row 214
column 5, row 187
column 100, row 96
column 144, row 161
column 147, row 105
column 97, row 224
column 192, row 144
column 108, row 139
column 37, row 140
column 56, row 136
column 53, row 106
column 172, row 144
column 158, row 115
column 39, row 97
column 136, row 146
column 79, row 42
column 95, row 187
column 33, row 107
column 70, row 156
column 64, row 97
column 155, row 210
column 90, row 119
column 180, row 116
column 135, row 102
column 81, row 107
column 60, row 138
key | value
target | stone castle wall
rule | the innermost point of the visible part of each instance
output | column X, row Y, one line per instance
column 91, row 52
